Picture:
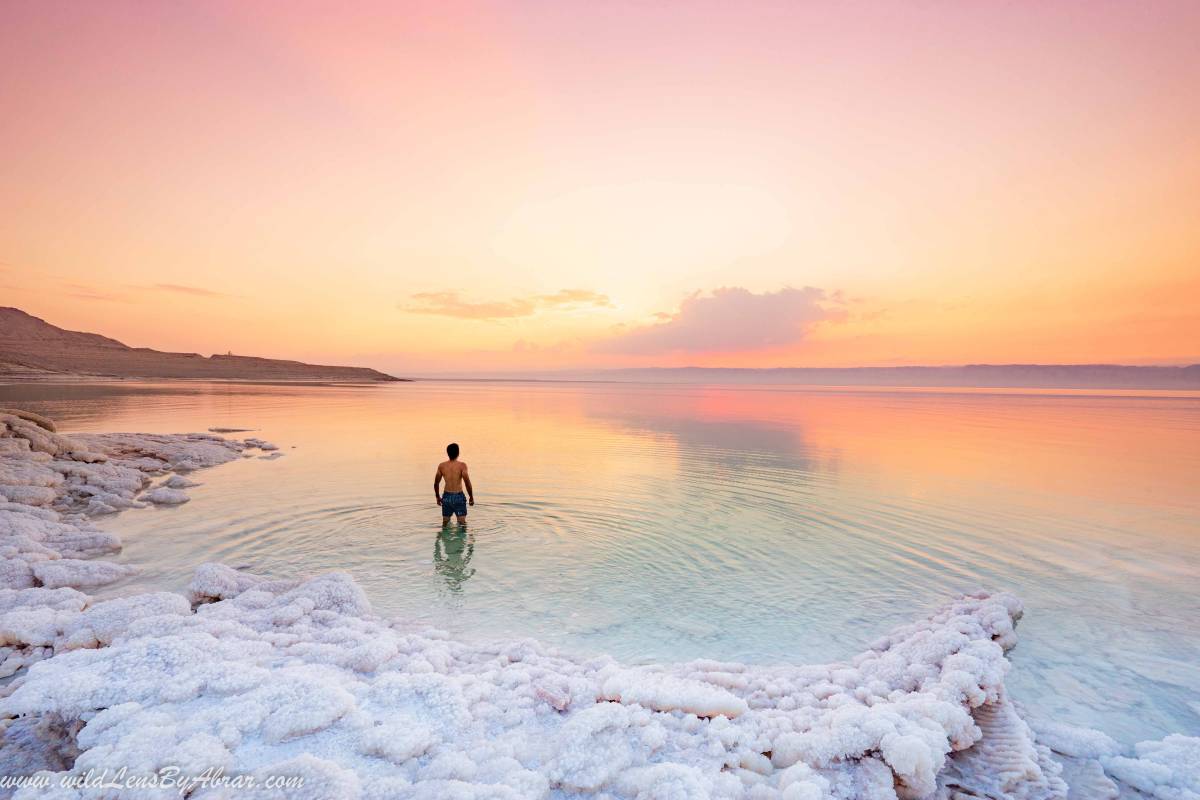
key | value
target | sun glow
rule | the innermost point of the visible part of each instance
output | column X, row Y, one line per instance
column 228, row 177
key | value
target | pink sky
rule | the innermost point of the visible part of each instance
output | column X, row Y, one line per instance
column 536, row 185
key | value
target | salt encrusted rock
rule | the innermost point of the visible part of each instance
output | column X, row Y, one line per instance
column 212, row 582
column 31, row 535
column 31, row 624
column 164, row 495
column 278, row 668
column 42, row 440
column 667, row 693
column 58, row 599
column 50, row 483
column 34, row 744
column 1098, row 768
column 1168, row 769
column 1074, row 742
column 101, row 623
column 1086, row 781
column 28, row 495
column 179, row 482
column 81, row 574
column 29, row 416
column 162, row 452
column 1005, row 762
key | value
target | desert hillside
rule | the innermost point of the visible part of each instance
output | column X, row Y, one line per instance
column 32, row 348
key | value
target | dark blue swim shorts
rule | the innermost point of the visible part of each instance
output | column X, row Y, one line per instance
column 454, row 503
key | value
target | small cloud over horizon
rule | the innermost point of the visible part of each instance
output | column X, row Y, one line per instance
column 450, row 304
column 192, row 290
column 107, row 298
column 729, row 319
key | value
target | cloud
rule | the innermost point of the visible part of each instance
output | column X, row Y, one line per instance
column 83, row 291
column 449, row 304
column 192, row 290
column 107, row 298
column 729, row 319
column 111, row 293
column 575, row 297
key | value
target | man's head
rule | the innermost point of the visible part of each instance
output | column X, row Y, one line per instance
column 452, row 450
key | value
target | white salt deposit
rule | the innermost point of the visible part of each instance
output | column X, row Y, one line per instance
column 179, row 482
column 298, row 678
column 165, row 495
column 663, row 692
column 61, row 572
column 51, row 483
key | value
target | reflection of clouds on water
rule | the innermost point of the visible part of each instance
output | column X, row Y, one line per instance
column 739, row 474
column 116, row 404
column 452, row 553
column 73, row 405
column 714, row 432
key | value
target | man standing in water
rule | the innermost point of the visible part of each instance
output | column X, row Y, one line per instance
column 455, row 474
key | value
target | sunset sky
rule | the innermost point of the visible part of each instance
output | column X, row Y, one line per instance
column 448, row 187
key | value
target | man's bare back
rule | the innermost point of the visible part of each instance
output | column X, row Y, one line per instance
column 456, row 476
column 452, row 473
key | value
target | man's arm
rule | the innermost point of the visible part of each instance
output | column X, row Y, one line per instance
column 467, row 482
column 437, row 484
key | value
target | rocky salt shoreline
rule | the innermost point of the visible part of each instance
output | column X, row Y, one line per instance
column 294, row 688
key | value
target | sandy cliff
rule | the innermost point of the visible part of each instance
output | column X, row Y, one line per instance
column 32, row 348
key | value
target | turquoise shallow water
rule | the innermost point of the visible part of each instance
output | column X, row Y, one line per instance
column 752, row 523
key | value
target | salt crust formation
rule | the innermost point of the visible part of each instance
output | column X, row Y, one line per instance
column 254, row 676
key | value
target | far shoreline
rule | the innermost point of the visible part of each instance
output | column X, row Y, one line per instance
column 834, row 388
column 63, row 378
column 1047, row 392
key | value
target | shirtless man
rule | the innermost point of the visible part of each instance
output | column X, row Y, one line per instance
column 455, row 474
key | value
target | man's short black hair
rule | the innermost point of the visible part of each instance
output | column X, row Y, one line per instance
column 452, row 450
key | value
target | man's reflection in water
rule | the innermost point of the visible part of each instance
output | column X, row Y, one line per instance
column 452, row 553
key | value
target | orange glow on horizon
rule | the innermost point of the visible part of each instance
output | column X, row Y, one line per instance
column 451, row 187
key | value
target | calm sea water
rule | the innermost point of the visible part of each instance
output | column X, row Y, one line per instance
column 664, row 523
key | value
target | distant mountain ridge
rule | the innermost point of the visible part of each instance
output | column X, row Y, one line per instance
column 987, row 376
column 982, row 376
column 30, row 347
